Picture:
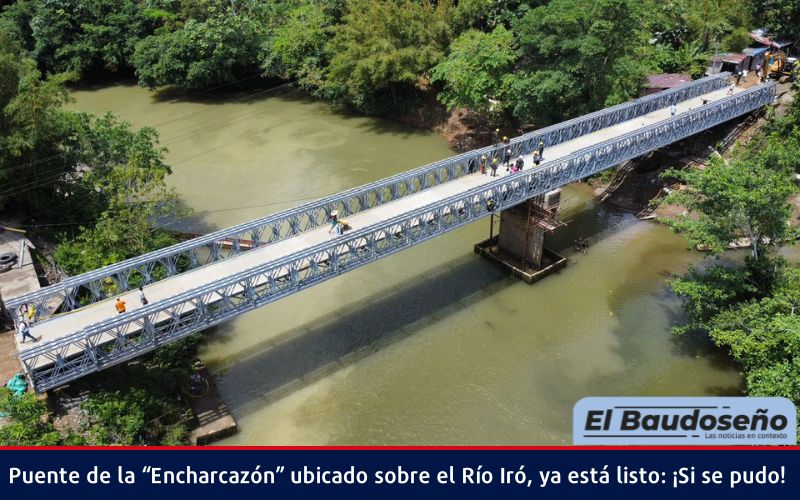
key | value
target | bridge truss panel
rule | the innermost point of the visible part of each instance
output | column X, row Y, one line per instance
column 100, row 284
column 131, row 334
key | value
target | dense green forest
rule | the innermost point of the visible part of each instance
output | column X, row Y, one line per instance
column 521, row 63
column 526, row 55
column 97, row 185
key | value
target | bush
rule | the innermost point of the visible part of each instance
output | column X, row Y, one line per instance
column 26, row 423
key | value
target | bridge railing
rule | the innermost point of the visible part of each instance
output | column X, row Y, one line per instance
column 128, row 335
column 97, row 285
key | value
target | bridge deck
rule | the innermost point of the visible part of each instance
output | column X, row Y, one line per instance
column 77, row 320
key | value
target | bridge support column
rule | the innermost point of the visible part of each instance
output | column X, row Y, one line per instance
column 518, row 238
column 520, row 245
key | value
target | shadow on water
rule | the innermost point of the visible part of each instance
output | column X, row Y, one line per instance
column 100, row 82
column 693, row 344
column 387, row 127
column 591, row 221
column 303, row 355
column 247, row 89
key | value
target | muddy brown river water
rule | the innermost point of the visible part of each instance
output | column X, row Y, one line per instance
column 433, row 345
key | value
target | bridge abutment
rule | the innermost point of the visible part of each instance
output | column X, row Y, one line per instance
column 520, row 243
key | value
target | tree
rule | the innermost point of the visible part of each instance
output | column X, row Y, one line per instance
column 712, row 24
column 37, row 153
column 128, row 176
column 764, row 335
column 385, row 50
column 577, row 56
column 781, row 16
column 759, row 328
column 688, row 58
column 706, row 294
column 485, row 15
column 296, row 47
column 222, row 49
column 84, row 35
column 729, row 201
column 474, row 71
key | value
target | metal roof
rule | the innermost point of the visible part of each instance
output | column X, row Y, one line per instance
column 760, row 39
column 769, row 42
column 667, row 80
column 755, row 51
column 730, row 57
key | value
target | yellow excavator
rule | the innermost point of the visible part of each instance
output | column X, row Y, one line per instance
column 778, row 65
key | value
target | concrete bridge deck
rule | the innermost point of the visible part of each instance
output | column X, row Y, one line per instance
column 76, row 320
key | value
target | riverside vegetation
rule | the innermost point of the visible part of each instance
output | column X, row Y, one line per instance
column 751, row 309
column 97, row 186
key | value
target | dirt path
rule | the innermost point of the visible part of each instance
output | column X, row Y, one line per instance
column 9, row 363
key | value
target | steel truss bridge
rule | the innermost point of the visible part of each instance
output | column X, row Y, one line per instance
column 210, row 279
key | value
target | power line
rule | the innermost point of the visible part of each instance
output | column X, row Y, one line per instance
column 262, row 91
column 58, row 155
column 203, row 91
column 229, row 209
column 32, row 185
column 243, row 207
column 34, row 162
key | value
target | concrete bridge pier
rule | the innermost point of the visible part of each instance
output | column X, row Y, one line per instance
column 520, row 242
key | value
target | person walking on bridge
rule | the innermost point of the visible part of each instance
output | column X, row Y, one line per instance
column 494, row 166
column 26, row 333
column 29, row 313
column 673, row 110
column 541, row 149
column 142, row 298
column 334, row 219
column 120, row 305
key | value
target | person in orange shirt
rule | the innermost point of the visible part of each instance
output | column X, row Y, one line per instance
column 120, row 305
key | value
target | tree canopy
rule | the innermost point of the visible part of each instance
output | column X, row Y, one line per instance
column 476, row 69
column 537, row 60
column 725, row 202
column 221, row 49
column 577, row 56
column 750, row 309
column 385, row 49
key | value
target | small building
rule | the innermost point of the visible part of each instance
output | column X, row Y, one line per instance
column 664, row 81
column 759, row 36
column 733, row 62
column 763, row 46
column 755, row 57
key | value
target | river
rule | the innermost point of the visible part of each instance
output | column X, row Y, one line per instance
column 433, row 345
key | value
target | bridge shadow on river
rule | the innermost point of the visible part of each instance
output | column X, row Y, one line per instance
column 303, row 355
